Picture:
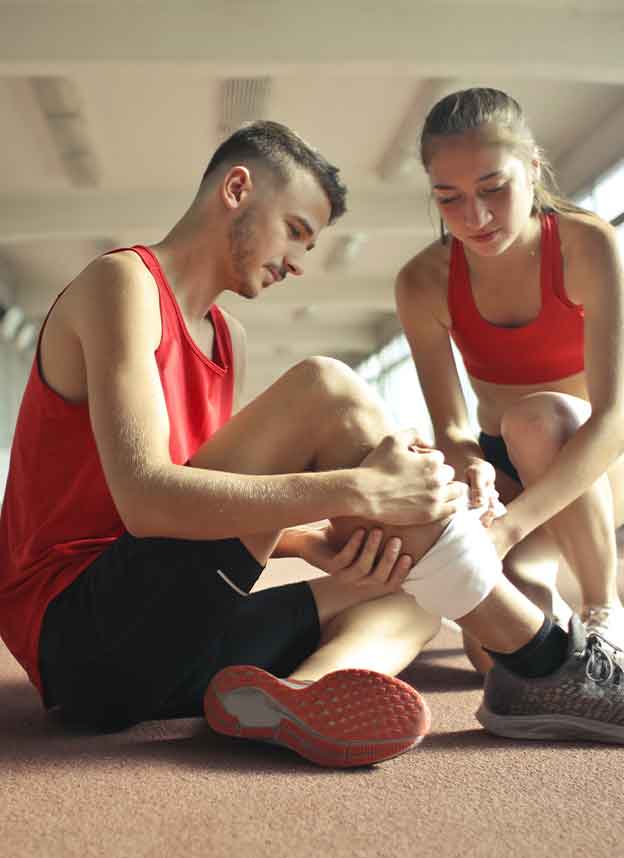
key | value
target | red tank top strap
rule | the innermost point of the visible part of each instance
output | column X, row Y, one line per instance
column 223, row 338
column 170, row 310
column 551, row 277
column 458, row 282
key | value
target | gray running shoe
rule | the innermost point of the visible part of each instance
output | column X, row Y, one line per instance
column 582, row 700
column 606, row 621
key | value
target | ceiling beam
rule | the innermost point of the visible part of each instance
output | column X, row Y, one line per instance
column 574, row 40
column 313, row 291
column 281, row 342
column 593, row 154
column 91, row 214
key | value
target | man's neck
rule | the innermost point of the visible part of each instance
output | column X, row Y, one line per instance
column 192, row 271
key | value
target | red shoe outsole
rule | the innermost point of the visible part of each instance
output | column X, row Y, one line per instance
column 348, row 718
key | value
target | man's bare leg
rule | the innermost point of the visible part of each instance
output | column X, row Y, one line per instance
column 272, row 434
column 382, row 634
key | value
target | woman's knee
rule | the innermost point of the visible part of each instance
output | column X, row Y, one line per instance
column 537, row 426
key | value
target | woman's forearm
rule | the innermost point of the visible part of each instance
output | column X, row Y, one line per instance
column 460, row 450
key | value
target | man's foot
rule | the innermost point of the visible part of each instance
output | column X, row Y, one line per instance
column 606, row 621
column 348, row 718
column 583, row 699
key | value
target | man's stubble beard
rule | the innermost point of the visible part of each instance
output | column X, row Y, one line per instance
column 243, row 251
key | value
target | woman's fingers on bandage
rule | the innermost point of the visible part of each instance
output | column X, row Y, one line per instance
column 481, row 478
column 494, row 510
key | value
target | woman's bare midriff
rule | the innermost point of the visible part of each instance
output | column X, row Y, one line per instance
column 494, row 399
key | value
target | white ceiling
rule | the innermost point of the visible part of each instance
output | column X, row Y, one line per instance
column 143, row 83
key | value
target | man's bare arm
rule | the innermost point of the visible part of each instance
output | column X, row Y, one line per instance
column 115, row 315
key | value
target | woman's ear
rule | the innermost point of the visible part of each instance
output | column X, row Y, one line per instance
column 536, row 167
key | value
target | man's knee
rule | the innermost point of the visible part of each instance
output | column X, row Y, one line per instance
column 332, row 383
column 536, row 427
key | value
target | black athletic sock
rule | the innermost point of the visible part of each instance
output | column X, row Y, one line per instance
column 542, row 655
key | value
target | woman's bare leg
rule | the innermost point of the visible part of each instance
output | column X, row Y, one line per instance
column 535, row 430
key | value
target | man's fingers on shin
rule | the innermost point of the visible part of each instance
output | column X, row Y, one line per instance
column 366, row 559
column 349, row 552
column 401, row 570
column 386, row 563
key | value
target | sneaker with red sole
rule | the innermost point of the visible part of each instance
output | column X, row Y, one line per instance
column 345, row 719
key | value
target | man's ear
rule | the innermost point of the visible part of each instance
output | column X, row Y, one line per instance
column 236, row 186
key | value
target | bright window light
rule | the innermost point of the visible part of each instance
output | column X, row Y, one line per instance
column 609, row 193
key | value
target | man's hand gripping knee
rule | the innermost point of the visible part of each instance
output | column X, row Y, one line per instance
column 409, row 483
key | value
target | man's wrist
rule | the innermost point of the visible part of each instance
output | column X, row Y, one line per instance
column 358, row 494
column 288, row 544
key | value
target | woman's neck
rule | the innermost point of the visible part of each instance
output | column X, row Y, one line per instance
column 520, row 254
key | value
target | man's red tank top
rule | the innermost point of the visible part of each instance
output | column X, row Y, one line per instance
column 58, row 514
column 547, row 349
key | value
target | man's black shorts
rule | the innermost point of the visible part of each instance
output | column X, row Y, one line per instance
column 141, row 632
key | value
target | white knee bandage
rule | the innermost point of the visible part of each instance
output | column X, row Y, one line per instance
column 459, row 571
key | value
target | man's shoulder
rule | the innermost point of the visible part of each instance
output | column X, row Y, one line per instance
column 111, row 280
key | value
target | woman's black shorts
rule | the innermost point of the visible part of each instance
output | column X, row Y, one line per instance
column 495, row 452
column 140, row 633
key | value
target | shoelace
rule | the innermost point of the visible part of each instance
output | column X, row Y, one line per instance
column 602, row 663
column 597, row 617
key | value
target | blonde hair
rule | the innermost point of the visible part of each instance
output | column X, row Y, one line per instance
column 480, row 107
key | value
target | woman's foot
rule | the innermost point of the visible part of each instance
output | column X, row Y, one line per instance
column 606, row 621
column 546, row 598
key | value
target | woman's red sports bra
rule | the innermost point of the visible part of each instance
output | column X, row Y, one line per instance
column 547, row 349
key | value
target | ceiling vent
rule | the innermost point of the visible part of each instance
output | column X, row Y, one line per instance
column 60, row 104
column 400, row 159
column 345, row 251
column 243, row 99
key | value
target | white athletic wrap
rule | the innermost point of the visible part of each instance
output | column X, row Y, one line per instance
column 458, row 571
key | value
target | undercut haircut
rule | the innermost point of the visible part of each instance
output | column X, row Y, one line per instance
column 280, row 150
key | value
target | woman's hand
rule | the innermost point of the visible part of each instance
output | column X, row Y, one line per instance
column 481, row 479
column 361, row 561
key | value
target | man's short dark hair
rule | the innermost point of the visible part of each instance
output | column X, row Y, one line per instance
column 280, row 148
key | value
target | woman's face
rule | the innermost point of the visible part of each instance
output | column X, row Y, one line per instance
column 483, row 191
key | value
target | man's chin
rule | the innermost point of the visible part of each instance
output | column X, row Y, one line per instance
column 251, row 290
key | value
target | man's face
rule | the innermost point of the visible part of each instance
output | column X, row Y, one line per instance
column 271, row 234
